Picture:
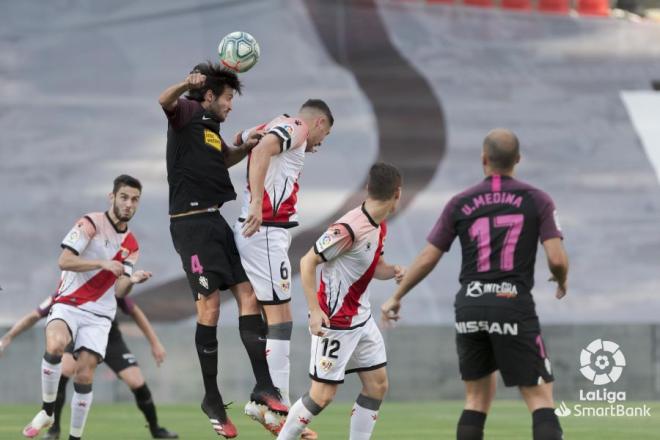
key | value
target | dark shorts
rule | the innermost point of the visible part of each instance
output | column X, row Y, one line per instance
column 208, row 252
column 117, row 355
column 490, row 339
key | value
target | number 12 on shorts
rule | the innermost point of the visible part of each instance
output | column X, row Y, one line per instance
column 480, row 231
column 333, row 345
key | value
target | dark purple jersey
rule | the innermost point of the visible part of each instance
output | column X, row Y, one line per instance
column 499, row 223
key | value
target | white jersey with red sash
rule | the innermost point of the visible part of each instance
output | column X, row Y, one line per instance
column 281, row 183
column 351, row 248
column 95, row 237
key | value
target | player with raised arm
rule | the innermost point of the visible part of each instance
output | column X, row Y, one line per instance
column 118, row 357
column 262, row 231
column 499, row 222
column 197, row 172
column 345, row 337
column 97, row 262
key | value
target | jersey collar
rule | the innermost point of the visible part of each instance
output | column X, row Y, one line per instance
column 119, row 231
column 371, row 220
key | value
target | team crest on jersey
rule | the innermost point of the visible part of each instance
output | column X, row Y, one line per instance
column 125, row 253
column 204, row 282
column 212, row 139
column 285, row 285
column 288, row 128
column 326, row 364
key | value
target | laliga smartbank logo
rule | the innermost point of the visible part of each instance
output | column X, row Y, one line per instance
column 602, row 363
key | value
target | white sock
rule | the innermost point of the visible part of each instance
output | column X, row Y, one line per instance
column 279, row 365
column 300, row 414
column 363, row 417
column 50, row 377
column 80, row 405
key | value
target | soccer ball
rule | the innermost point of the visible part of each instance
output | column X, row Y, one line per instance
column 238, row 51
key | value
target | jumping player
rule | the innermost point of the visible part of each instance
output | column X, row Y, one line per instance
column 262, row 231
column 499, row 222
column 345, row 337
column 118, row 357
column 197, row 172
column 97, row 262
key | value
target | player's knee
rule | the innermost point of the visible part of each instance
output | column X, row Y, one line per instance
column 208, row 316
column 56, row 344
column 376, row 389
column 84, row 375
column 478, row 402
column 322, row 394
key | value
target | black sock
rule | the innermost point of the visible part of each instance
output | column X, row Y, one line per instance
column 73, row 438
column 146, row 405
column 546, row 425
column 207, row 350
column 253, row 334
column 471, row 425
column 59, row 402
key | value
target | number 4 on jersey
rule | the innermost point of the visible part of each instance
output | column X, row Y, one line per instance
column 480, row 231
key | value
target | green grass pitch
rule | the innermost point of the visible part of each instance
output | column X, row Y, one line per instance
column 508, row 420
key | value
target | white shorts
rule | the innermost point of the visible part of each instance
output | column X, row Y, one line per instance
column 265, row 258
column 89, row 332
column 346, row 351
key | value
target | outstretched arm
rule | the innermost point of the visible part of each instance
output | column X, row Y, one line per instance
column 23, row 324
column 157, row 349
column 421, row 267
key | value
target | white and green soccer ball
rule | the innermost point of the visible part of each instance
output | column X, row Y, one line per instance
column 239, row 51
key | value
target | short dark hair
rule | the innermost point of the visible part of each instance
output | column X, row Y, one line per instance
column 502, row 149
column 125, row 180
column 320, row 105
column 217, row 79
column 384, row 180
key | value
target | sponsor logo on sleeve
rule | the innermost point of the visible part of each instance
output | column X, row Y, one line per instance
column 73, row 236
column 556, row 217
column 324, row 242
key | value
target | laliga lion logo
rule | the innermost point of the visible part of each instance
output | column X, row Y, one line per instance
column 602, row 362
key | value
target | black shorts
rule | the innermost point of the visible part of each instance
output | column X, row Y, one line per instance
column 208, row 252
column 509, row 340
column 117, row 355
